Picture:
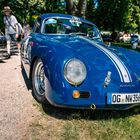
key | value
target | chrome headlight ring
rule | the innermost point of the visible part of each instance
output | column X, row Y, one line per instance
column 75, row 71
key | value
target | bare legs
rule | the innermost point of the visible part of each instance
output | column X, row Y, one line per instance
column 8, row 48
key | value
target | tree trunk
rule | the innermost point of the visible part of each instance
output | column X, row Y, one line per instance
column 82, row 6
column 71, row 8
column 77, row 10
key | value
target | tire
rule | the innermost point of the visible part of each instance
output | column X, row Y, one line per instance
column 38, row 81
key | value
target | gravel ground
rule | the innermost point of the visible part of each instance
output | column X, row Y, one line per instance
column 16, row 102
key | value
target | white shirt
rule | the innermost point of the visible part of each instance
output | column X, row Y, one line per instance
column 20, row 29
column 13, row 21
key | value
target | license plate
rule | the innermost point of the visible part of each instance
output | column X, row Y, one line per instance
column 123, row 98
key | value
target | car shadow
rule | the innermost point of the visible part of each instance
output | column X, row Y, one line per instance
column 26, row 79
column 70, row 114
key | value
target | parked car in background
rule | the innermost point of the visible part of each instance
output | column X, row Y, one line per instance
column 125, row 37
column 71, row 67
column 135, row 40
column 2, row 39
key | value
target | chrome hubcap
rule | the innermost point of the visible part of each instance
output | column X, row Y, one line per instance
column 39, row 79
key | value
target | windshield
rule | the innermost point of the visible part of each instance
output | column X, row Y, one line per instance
column 71, row 26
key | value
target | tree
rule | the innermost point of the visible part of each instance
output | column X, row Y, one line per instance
column 122, row 15
column 24, row 9
column 77, row 8
column 55, row 6
column 90, row 12
column 2, row 4
column 133, row 16
column 110, row 14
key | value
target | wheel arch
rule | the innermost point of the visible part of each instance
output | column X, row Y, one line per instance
column 32, row 64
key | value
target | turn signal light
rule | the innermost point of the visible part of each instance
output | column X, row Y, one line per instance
column 76, row 94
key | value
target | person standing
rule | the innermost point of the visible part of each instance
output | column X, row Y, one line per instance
column 26, row 28
column 20, row 35
column 11, row 27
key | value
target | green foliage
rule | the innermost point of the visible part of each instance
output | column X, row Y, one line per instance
column 133, row 16
column 90, row 13
column 1, row 16
column 122, row 15
column 55, row 6
column 27, row 10
column 24, row 9
column 110, row 14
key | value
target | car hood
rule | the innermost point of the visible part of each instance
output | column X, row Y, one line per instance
column 130, row 58
column 122, row 63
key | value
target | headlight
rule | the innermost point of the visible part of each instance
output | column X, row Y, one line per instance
column 75, row 71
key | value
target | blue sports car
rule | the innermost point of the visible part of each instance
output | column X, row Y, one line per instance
column 71, row 67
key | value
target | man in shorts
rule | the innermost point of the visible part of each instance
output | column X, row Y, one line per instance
column 11, row 28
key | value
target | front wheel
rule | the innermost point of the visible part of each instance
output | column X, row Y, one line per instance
column 38, row 81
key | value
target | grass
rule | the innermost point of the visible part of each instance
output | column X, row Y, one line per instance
column 107, row 128
column 124, row 45
column 66, row 124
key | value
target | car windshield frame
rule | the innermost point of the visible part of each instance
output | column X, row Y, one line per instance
column 94, row 30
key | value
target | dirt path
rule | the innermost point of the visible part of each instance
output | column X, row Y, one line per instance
column 16, row 102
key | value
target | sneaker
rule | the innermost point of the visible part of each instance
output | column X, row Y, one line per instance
column 8, row 55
